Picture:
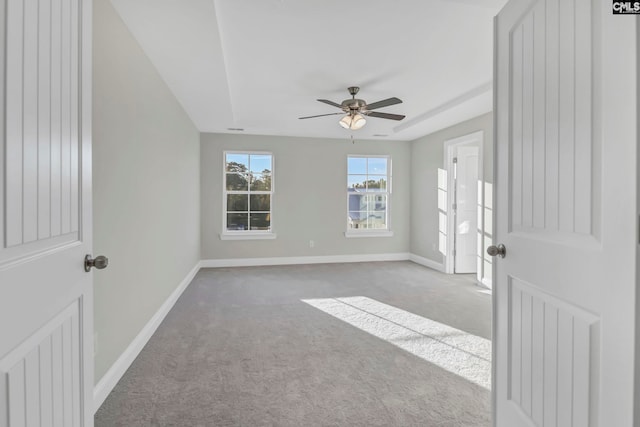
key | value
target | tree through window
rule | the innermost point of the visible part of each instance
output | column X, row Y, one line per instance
column 248, row 191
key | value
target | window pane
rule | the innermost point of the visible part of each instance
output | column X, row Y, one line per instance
column 376, row 220
column 237, row 182
column 377, row 166
column 260, row 163
column 237, row 202
column 260, row 221
column 377, row 183
column 357, row 182
column 378, row 203
column 260, row 202
column 237, row 221
column 367, row 202
column 357, row 165
column 237, row 162
column 261, row 182
column 357, row 219
column 356, row 202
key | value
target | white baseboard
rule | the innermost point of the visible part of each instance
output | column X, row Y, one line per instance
column 117, row 370
column 427, row 262
column 326, row 259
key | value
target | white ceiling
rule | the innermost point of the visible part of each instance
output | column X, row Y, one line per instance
column 261, row 64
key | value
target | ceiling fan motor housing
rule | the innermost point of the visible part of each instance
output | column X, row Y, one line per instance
column 353, row 105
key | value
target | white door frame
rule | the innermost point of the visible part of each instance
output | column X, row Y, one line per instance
column 475, row 138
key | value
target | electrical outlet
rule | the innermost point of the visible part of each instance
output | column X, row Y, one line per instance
column 312, row 243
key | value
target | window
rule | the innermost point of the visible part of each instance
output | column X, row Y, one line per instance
column 368, row 190
column 248, row 192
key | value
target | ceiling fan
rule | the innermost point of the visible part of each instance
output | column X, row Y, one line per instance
column 354, row 110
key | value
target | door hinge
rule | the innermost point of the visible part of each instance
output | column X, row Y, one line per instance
column 455, row 206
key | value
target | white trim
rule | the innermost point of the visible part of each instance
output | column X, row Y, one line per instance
column 475, row 138
column 367, row 233
column 117, row 370
column 247, row 235
column 449, row 105
column 325, row 259
column 427, row 262
column 225, row 192
column 387, row 193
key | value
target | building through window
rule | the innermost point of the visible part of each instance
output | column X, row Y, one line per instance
column 368, row 190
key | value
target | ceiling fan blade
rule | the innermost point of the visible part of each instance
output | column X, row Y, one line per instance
column 321, row 115
column 384, row 103
column 386, row 115
column 333, row 104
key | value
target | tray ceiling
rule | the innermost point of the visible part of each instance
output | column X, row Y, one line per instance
column 258, row 65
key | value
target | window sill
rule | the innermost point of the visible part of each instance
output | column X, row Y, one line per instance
column 247, row 236
column 358, row 234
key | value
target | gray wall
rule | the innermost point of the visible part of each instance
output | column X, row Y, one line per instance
column 427, row 155
column 310, row 201
column 146, row 188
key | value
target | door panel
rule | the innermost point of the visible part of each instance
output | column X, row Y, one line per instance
column 46, row 306
column 550, row 347
column 33, row 167
column 43, row 374
column 551, row 128
column 466, row 227
column 564, row 295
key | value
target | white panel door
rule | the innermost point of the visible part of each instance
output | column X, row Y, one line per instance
column 466, row 213
column 46, row 305
column 564, row 297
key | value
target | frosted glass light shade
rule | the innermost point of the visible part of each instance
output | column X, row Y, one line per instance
column 345, row 122
column 354, row 122
column 358, row 121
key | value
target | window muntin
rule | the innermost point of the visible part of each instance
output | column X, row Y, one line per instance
column 248, row 192
column 368, row 190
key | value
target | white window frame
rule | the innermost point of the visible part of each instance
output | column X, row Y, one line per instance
column 367, row 232
column 246, row 234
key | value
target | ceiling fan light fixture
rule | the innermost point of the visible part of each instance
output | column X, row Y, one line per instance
column 353, row 122
column 345, row 122
column 358, row 121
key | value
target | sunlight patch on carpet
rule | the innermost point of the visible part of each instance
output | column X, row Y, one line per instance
column 456, row 351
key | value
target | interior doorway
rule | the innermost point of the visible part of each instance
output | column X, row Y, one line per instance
column 464, row 170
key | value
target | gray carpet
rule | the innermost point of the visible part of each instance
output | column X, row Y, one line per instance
column 240, row 348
